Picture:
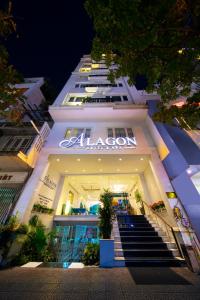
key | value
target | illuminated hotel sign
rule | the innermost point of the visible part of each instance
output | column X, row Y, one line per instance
column 99, row 144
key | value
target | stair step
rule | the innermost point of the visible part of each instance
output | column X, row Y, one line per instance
column 151, row 261
column 146, row 252
column 139, row 238
column 141, row 245
column 137, row 229
column 138, row 233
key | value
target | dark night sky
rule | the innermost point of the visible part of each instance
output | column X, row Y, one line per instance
column 53, row 35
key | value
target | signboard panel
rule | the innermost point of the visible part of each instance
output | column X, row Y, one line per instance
column 13, row 177
column 100, row 144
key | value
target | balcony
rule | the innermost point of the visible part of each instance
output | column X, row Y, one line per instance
column 23, row 142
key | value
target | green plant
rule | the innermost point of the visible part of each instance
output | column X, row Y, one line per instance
column 37, row 207
column 138, row 197
column 158, row 206
column 106, row 215
column 38, row 245
column 91, row 254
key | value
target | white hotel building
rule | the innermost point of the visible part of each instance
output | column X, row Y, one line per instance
column 104, row 138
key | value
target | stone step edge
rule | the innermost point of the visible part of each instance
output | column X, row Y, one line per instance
column 175, row 258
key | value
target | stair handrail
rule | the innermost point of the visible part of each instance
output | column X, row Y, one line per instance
column 155, row 213
column 166, row 225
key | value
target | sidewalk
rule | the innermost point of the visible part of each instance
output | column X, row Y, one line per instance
column 100, row 284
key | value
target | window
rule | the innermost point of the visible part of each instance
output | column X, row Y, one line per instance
column 16, row 143
column 84, row 85
column 130, row 132
column 87, row 132
column 71, row 132
column 125, row 98
column 110, row 132
column 120, row 84
column 120, row 132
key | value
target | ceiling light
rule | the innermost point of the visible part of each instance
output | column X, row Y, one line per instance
column 141, row 158
column 78, row 159
column 100, row 170
column 136, row 169
column 66, row 171
column 57, row 159
column 118, row 170
column 99, row 159
column 120, row 159
column 83, row 170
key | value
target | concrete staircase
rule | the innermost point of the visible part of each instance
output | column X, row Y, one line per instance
column 138, row 242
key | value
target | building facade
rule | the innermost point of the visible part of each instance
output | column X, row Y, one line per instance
column 20, row 146
column 104, row 138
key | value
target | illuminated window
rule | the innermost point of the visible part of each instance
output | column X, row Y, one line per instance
column 76, row 132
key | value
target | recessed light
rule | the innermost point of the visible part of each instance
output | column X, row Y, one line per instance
column 66, row 171
column 83, row 170
column 189, row 171
column 118, row 170
column 136, row 169
column 120, row 159
column 78, row 159
column 57, row 159
column 141, row 158
column 100, row 170
column 99, row 159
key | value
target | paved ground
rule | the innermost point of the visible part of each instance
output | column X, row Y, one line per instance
column 100, row 284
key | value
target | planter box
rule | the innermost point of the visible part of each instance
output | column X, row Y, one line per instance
column 107, row 253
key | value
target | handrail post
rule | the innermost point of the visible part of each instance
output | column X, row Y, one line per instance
column 177, row 243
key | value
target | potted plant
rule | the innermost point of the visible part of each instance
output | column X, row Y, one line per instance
column 138, row 198
column 158, row 206
column 106, row 216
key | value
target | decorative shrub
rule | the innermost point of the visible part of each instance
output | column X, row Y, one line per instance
column 37, row 207
column 106, row 215
column 38, row 246
column 91, row 254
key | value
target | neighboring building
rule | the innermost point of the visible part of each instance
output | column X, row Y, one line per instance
column 103, row 137
column 35, row 106
column 20, row 146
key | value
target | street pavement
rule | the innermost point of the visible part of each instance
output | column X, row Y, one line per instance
column 97, row 283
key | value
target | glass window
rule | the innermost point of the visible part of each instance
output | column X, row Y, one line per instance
column 78, row 131
column 76, row 85
column 130, row 132
column 125, row 98
column 120, row 84
column 110, row 132
column 87, row 132
column 120, row 132
column 68, row 133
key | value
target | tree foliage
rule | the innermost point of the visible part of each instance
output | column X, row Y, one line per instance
column 10, row 97
column 187, row 116
column 158, row 39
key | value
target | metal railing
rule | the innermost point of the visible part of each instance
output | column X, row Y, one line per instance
column 165, row 226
